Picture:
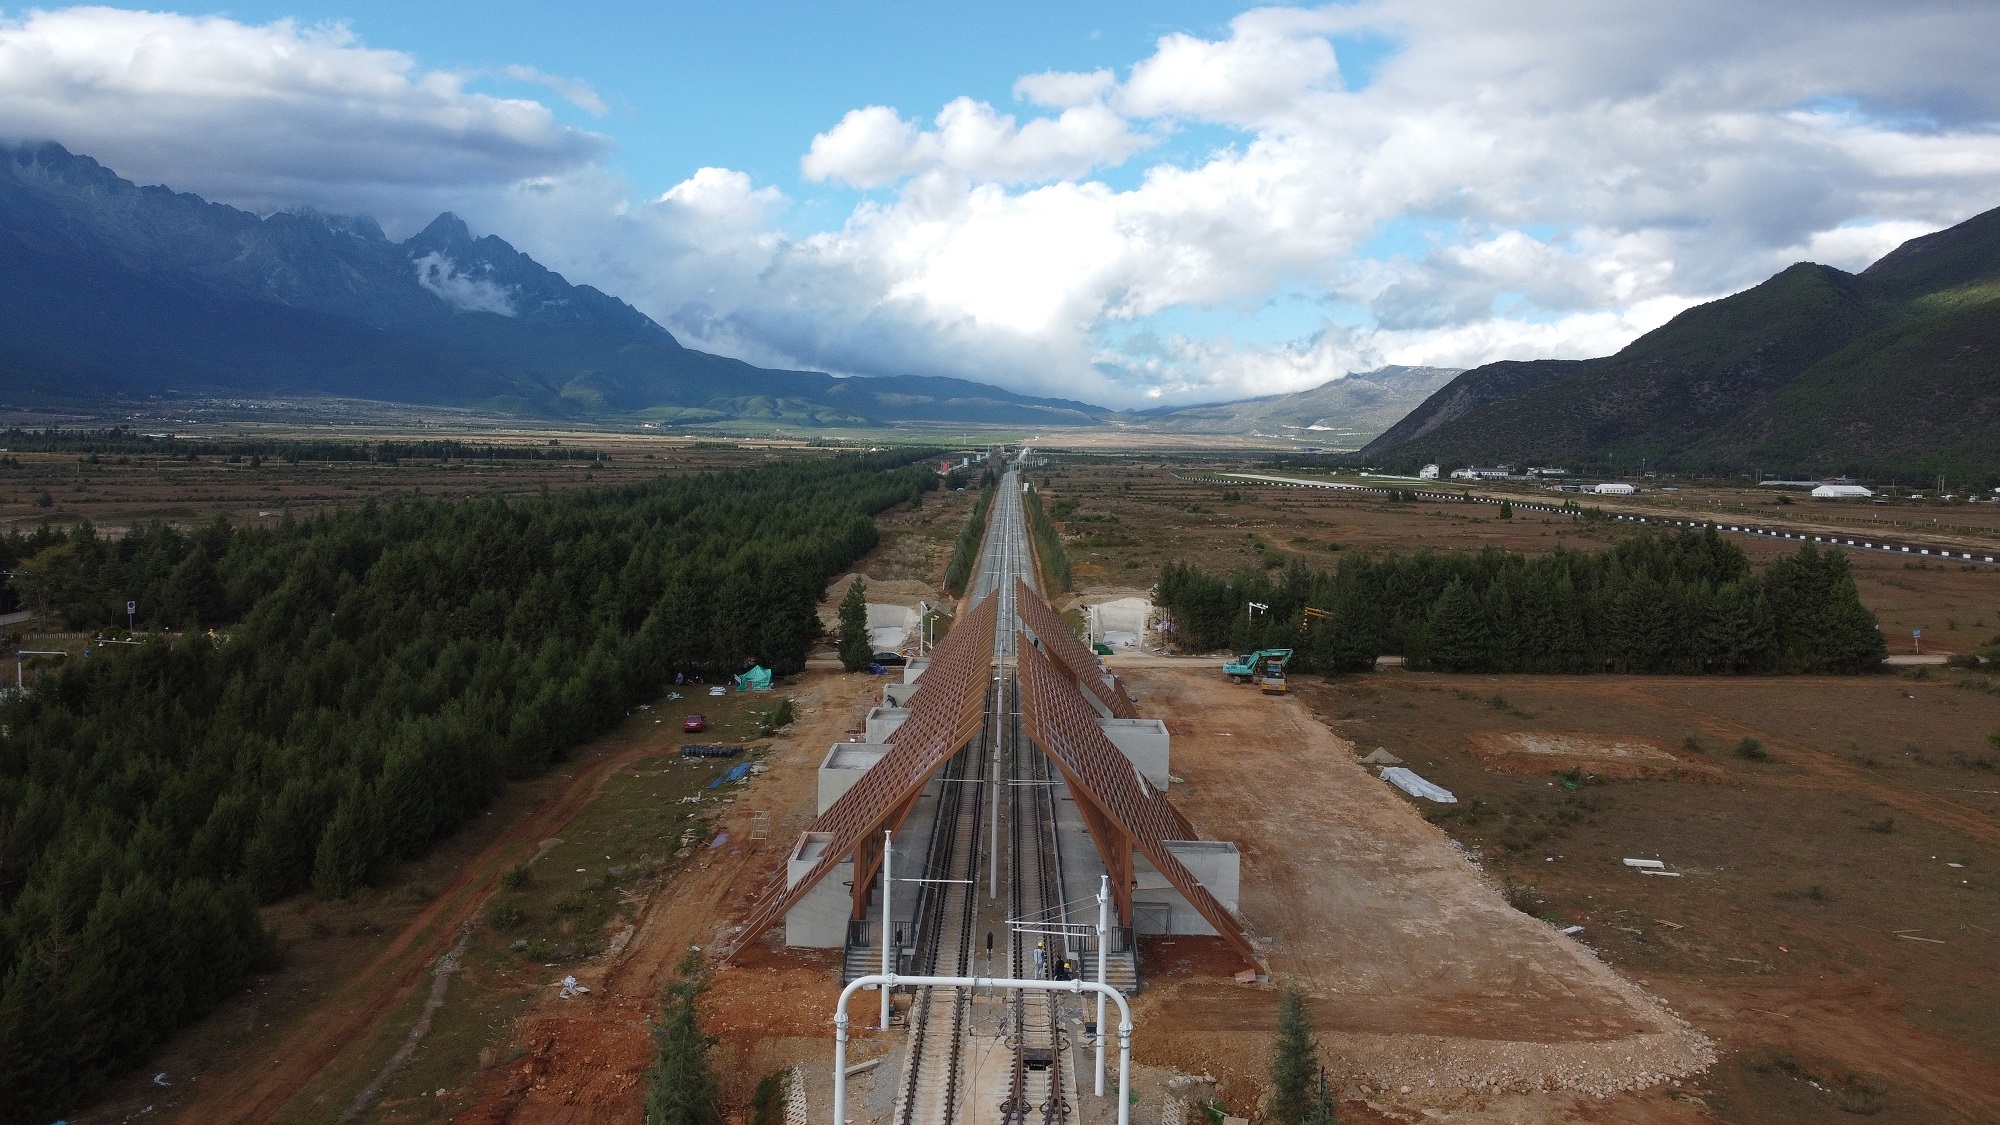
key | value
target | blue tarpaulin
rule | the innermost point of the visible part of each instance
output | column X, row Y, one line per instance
column 737, row 772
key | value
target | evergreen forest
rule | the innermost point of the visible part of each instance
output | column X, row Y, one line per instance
column 346, row 691
column 1684, row 604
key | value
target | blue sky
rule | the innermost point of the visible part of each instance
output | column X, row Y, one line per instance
column 1126, row 203
column 747, row 85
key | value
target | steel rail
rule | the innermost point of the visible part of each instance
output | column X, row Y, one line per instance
column 966, row 985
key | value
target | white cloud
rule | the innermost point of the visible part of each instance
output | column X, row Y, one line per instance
column 1271, row 58
column 1065, row 89
column 577, row 93
column 723, row 195
column 267, row 115
column 1854, row 248
column 874, row 146
column 462, row 290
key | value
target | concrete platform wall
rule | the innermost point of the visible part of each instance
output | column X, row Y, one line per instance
column 898, row 695
column 1159, row 908
column 1145, row 743
column 819, row 921
column 844, row 765
column 883, row 721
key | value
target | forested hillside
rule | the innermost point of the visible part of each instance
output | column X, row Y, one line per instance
column 378, row 676
column 1683, row 604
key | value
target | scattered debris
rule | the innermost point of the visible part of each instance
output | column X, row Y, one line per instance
column 571, row 988
column 1651, row 863
column 1381, row 757
column 1572, row 929
column 721, row 838
column 160, row 1079
column 1415, row 786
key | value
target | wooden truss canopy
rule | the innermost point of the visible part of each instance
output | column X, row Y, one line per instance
column 1082, row 668
column 1123, row 812
column 1125, row 815
column 947, row 709
column 1070, row 654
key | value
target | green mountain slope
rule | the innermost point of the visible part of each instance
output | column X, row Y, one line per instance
column 1893, row 370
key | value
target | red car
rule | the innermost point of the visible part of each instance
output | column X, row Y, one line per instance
column 694, row 724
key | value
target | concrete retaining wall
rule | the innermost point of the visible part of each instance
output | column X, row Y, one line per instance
column 819, row 921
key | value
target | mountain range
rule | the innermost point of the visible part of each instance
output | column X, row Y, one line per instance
column 1360, row 405
column 109, row 290
column 115, row 293
column 1894, row 370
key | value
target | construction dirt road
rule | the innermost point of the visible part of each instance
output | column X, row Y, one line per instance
column 585, row 1062
column 1428, row 989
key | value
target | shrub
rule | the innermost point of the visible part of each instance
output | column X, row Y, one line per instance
column 506, row 916
column 1752, row 749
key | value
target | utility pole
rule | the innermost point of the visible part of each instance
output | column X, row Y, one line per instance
column 1103, row 910
column 888, row 922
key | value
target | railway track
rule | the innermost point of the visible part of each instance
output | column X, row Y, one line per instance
column 930, row 1092
column 965, row 852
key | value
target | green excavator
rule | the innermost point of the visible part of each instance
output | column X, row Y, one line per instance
column 1266, row 666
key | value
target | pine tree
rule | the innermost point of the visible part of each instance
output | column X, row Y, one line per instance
column 855, row 651
column 1458, row 630
column 767, row 1105
column 1294, row 1062
column 681, row 1089
column 350, row 847
column 1506, row 510
column 1322, row 1110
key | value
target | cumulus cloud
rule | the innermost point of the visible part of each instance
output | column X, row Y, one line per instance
column 268, row 115
column 1272, row 57
column 1582, row 170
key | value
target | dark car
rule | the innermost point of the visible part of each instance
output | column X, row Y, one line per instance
column 694, row 724
column 890, row 659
